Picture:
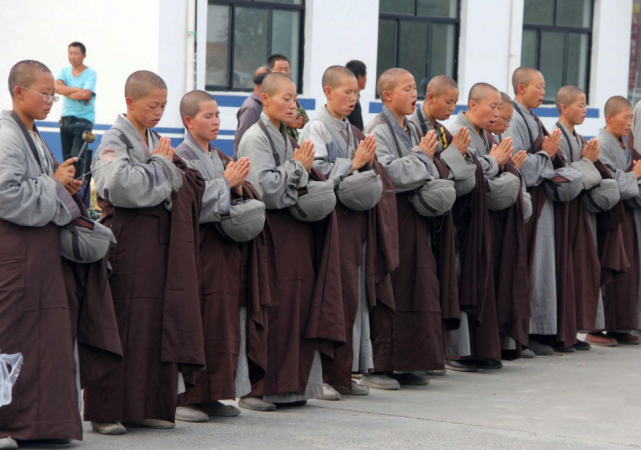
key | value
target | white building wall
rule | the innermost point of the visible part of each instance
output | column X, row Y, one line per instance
column 123, row 36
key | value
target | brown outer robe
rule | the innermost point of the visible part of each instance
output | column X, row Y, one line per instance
column 476, row 283
column 378, row 227
column 232, row 274
column 43, row 308
column 411, row 337
column 511, row 281
column 307, row 314
column 620, row 294
column 155, row 291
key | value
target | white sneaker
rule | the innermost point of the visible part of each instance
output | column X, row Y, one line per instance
column 108, row 428
column 191, row 414
column 8, row 443
column 329, row 393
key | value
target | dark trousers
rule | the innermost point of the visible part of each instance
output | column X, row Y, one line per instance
column 71, row 129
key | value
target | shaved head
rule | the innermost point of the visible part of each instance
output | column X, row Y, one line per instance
column 440, row 85
column 615, row 105
column 523, row 75
column 25, row 73
column 334, row 76
column 389, row 79
column 273, row 83
column 480, row 91
column 141, row 83
column 260, row 75
column 567, row 95
column 506, row 99
column 190, row 103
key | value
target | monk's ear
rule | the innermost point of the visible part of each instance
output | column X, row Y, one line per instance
column 387, row 96
column 130, row 101
column 608, row 118
column 521, row 89
column 328, row 91
column 471, row 104
column 430, row 96
column 189, row 122
column 264, row 98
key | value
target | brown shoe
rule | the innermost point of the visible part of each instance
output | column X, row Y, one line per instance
column 600, row 340
column 624, row 338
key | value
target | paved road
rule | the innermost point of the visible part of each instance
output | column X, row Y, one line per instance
column 587, row 400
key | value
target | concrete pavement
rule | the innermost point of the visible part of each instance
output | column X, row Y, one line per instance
column 584, row 400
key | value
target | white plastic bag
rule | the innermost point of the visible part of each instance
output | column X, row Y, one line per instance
column 8, row 378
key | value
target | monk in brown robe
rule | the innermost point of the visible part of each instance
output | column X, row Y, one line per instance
column 307, row 317
column 152, row 202
column 40, row 317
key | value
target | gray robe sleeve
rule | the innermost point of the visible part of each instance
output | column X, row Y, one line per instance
column 335, row 169
column 216, row 198
column 127, row 184
column 537, row 168
column 278, row 186
column 591, row 176
column 30, row 202
column 408, row 172
column 627, row 181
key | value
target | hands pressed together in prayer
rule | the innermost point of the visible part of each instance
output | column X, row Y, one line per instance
column 165, row 148
column 462, row 140
column 502, row 152
column 591, row 151
column 65, row 175
column 519, row 158
column 305, row 155
column 364, row 153
column 551, row 143
column 236, row 174
column 429, row 143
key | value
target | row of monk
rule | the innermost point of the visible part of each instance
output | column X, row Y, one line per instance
column 276, row 277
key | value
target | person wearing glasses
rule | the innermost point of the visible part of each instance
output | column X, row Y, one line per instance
column 77, row 83
column 503, row 120
column 35, row 202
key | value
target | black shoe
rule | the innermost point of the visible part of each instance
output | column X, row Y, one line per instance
column 559, row 347
column 540, row 349
column 490, row 364
column 413, row 379
column 291, row 404
column 581, row 345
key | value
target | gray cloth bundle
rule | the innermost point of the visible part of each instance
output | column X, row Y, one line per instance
column 244, row 222
column 85, row 241
column 316, row 202
column 434, row 199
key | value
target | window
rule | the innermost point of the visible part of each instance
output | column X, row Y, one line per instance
column 420, row 36
column 634, row 83
column 242, row 34
column 557, row 36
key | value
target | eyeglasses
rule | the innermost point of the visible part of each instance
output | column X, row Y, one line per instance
column 506, row 119
column 46, row 97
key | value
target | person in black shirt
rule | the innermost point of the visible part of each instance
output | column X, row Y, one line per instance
column 360, row 71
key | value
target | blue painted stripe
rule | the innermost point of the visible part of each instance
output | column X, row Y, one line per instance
column 592, row 113
column 227, row 133
column 377, row 108
column 235, row 101
column 103, row 127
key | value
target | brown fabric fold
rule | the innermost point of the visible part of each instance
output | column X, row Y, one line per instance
column 232, row 274
column 621, row 293
column 375, row 229
column 155, row 290
column 308, row 313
